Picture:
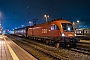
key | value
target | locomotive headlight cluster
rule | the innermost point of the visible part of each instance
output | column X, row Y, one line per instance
column 75, row 34
column 63, row 34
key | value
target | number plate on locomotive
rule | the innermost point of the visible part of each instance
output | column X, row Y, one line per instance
column 70, row 35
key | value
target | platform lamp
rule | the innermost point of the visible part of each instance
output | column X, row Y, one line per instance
column 46, row 16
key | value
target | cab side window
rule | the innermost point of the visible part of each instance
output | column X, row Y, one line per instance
column 54, row 27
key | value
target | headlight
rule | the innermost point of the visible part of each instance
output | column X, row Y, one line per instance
column 80, row 32
column 63, row 34
column 74, row 34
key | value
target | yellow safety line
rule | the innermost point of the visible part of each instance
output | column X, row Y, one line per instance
column 14, row 56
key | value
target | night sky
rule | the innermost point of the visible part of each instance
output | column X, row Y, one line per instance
column 19, row 12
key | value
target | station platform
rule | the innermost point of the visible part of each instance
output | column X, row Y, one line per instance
column 11, row 51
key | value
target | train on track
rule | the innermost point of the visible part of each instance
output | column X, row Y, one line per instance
column 82, row 31
column 58, row 31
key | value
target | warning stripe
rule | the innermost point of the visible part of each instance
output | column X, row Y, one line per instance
column 14, row 56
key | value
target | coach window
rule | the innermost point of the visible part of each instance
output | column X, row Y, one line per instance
column 54, row 27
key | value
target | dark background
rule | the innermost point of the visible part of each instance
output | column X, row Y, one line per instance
column 19, row 12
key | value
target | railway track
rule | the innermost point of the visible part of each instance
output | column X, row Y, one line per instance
column 82, row 47
column 55, row 53
column 81, row 50
column 86, row 45
column 43, row 50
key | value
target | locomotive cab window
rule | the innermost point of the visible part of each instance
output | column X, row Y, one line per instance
column 67, row 27
column 54, row 27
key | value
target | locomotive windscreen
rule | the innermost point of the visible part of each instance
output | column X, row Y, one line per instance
column 67, row 27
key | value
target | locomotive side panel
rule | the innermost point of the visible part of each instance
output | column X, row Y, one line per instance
column 45, row 31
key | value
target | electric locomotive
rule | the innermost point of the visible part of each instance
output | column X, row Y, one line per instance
column 57, row 31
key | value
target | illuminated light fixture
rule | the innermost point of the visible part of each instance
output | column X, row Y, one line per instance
column 80, row 32
column 63, row 34
column 46, row 16
column 15, row 28
column 68, row 28
column 22, row 25
column 30, row 23
column 74, row 34
column 78, row 21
